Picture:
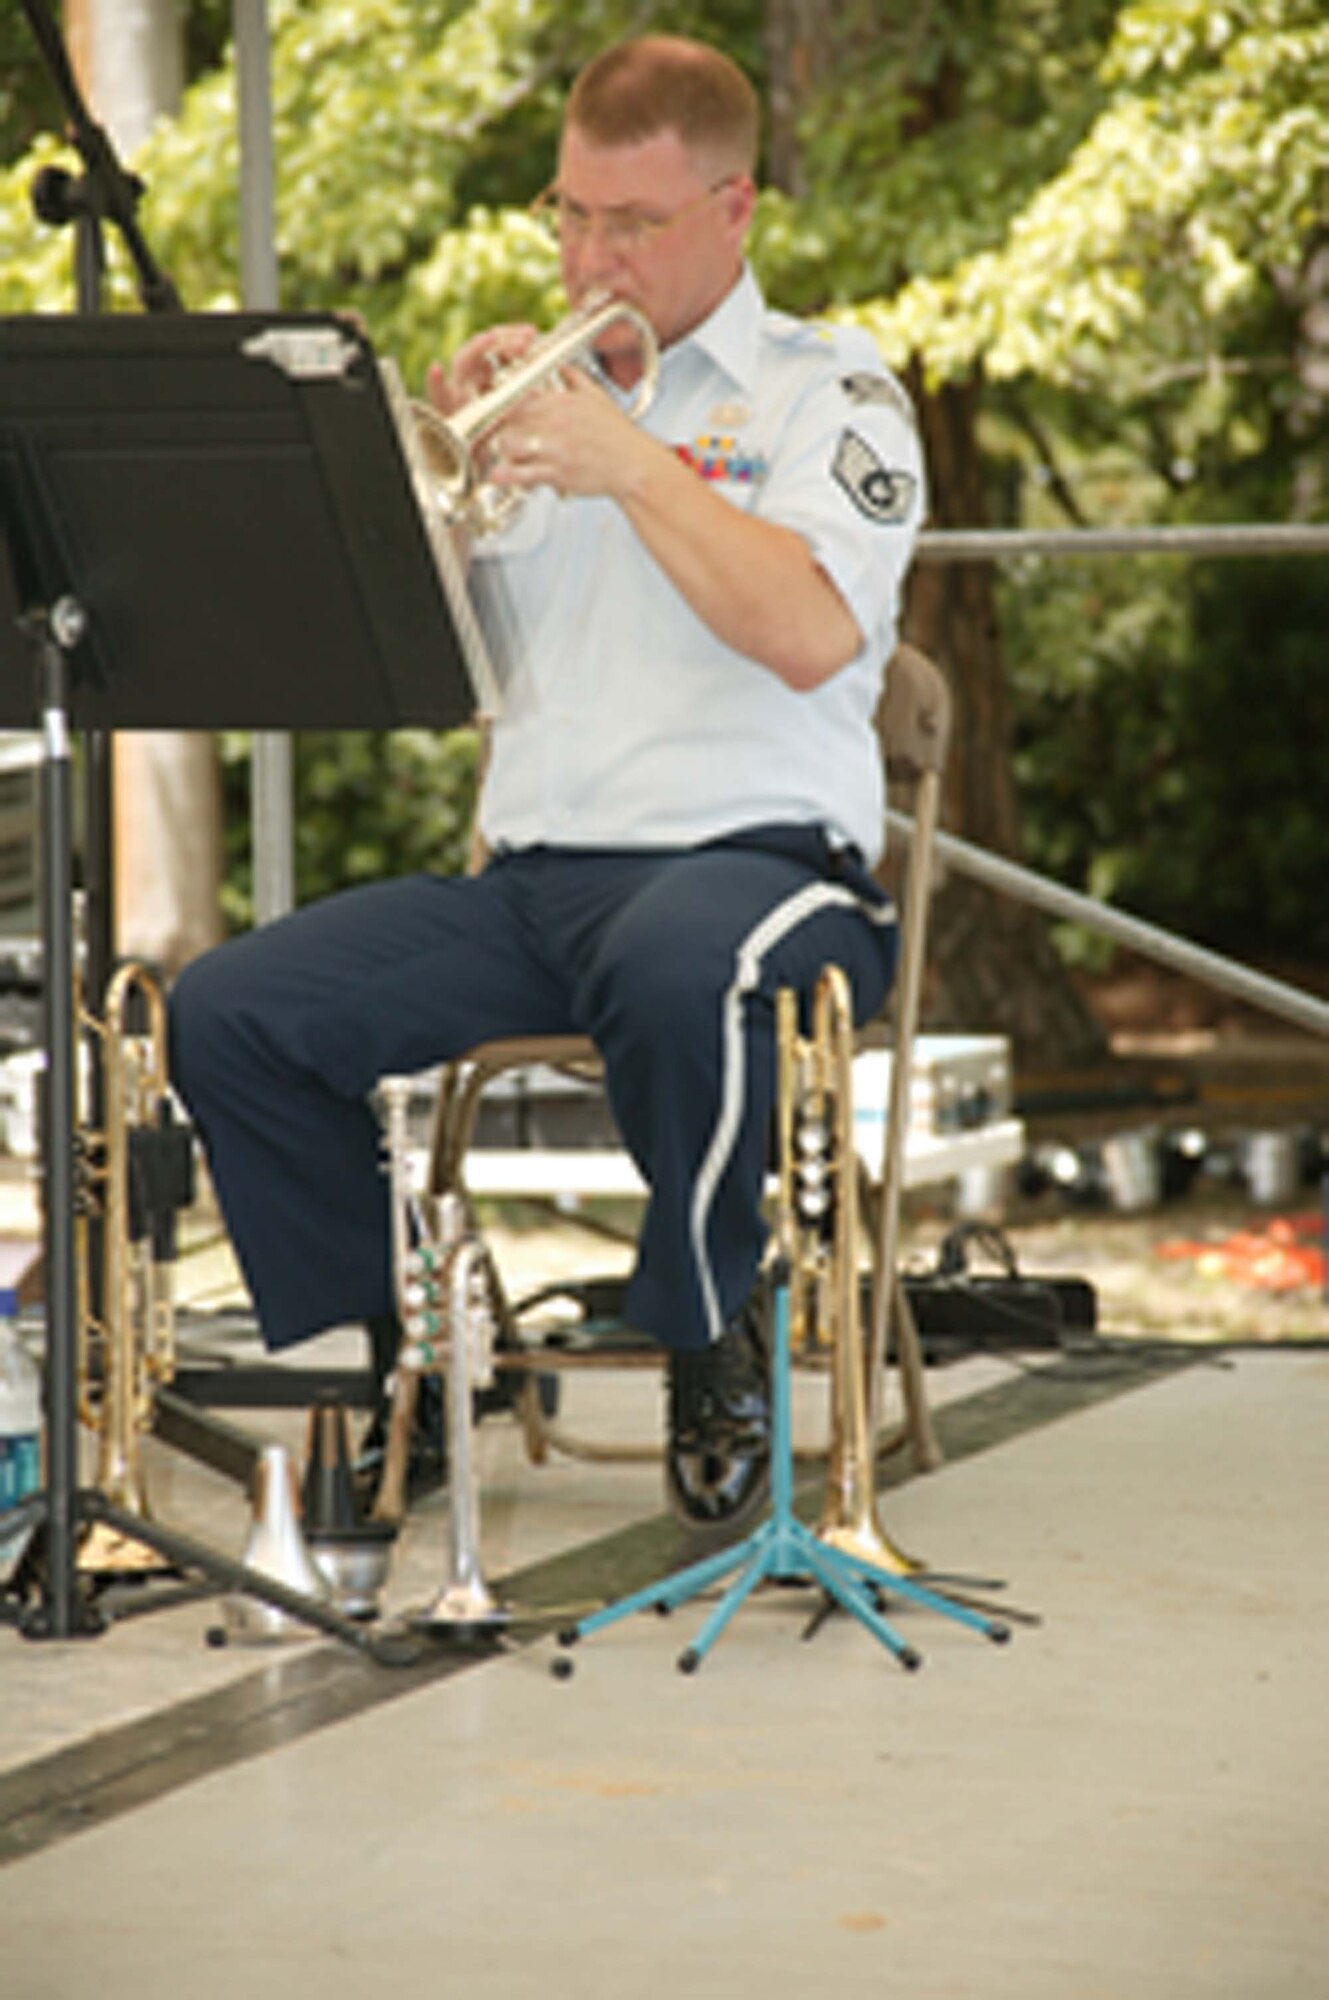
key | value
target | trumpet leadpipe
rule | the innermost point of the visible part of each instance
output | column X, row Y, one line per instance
column 453, row 446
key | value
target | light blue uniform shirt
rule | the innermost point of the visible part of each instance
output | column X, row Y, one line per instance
column 625, row 721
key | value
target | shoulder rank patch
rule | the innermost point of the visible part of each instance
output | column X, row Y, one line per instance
column 863, row 387
column 876, row 490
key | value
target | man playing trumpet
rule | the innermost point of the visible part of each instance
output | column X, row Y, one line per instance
column 683, row 797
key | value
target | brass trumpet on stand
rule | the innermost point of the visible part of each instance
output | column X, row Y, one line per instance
column 815, row 1268
column 136, row 1172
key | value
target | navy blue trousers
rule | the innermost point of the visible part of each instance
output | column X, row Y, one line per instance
column 669, row 960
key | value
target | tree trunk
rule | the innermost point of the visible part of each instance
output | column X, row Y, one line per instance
column 128, row 56
column 797, row 35
column 166, row 832
column 995, row 967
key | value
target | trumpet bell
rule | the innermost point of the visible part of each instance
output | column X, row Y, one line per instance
column 855, row 1531
column 448, row 459
column 465, row 1609
column 850, row 1521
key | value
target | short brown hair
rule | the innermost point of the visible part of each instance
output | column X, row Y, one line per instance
column 662, row 83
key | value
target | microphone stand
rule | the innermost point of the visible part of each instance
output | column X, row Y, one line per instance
column 104, row 193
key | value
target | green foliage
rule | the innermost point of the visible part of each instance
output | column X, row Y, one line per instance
column 1092, row 648
column 380, row 107
column 1202, row 178
column 207, row 31
column 366, row 805
column 932, row 131
column 1256, row 726
column 1170, row 752
column 29, row 103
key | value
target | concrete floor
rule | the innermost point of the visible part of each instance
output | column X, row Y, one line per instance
column 1129, row 1799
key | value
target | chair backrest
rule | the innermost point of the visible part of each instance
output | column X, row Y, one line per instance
column 913, row 723
column 914, row 716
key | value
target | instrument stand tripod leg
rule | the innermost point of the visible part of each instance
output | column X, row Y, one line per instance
column 782, row 1549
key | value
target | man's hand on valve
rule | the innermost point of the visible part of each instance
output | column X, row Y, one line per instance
column 573, row 436
column 476, row 366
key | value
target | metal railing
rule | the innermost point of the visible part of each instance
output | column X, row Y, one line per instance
column 1011, row 879
column 1148, row 939
column 1219, row 539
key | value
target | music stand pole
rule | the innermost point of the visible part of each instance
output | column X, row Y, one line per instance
column 104, row 192
column 64, row 1613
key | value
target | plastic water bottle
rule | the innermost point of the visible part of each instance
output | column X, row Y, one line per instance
column 20, row 1425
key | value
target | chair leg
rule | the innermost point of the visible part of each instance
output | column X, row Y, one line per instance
column 919, row 1428
column 534, row 1424
column 895, row 1332
column 390, row 1500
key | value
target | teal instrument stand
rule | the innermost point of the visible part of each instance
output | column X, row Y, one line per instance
column 782, row 1550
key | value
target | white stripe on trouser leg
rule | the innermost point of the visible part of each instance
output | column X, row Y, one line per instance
column 774, row 927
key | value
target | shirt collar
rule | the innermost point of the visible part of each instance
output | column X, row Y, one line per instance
column 730, row 336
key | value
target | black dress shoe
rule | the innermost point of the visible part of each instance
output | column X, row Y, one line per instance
column 718, row 1454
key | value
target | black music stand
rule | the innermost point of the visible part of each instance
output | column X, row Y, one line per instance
column 206, row 522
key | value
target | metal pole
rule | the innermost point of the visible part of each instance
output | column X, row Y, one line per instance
column 1218, row 539
column 258, row 250
column 1027, row 887
column 62, row 1614
column 271, row 764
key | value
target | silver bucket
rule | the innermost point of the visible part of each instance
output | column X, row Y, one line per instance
column 1271, row 1167
column 1133, row 1167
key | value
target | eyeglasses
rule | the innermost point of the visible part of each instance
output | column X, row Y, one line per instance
column 624, row 228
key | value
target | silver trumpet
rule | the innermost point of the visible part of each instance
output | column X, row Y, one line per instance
column 444, row 1302
column 454, row 448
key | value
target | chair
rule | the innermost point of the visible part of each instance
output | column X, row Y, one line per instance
column 913, row 723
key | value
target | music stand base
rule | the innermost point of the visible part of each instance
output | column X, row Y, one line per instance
column 83, row 1619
